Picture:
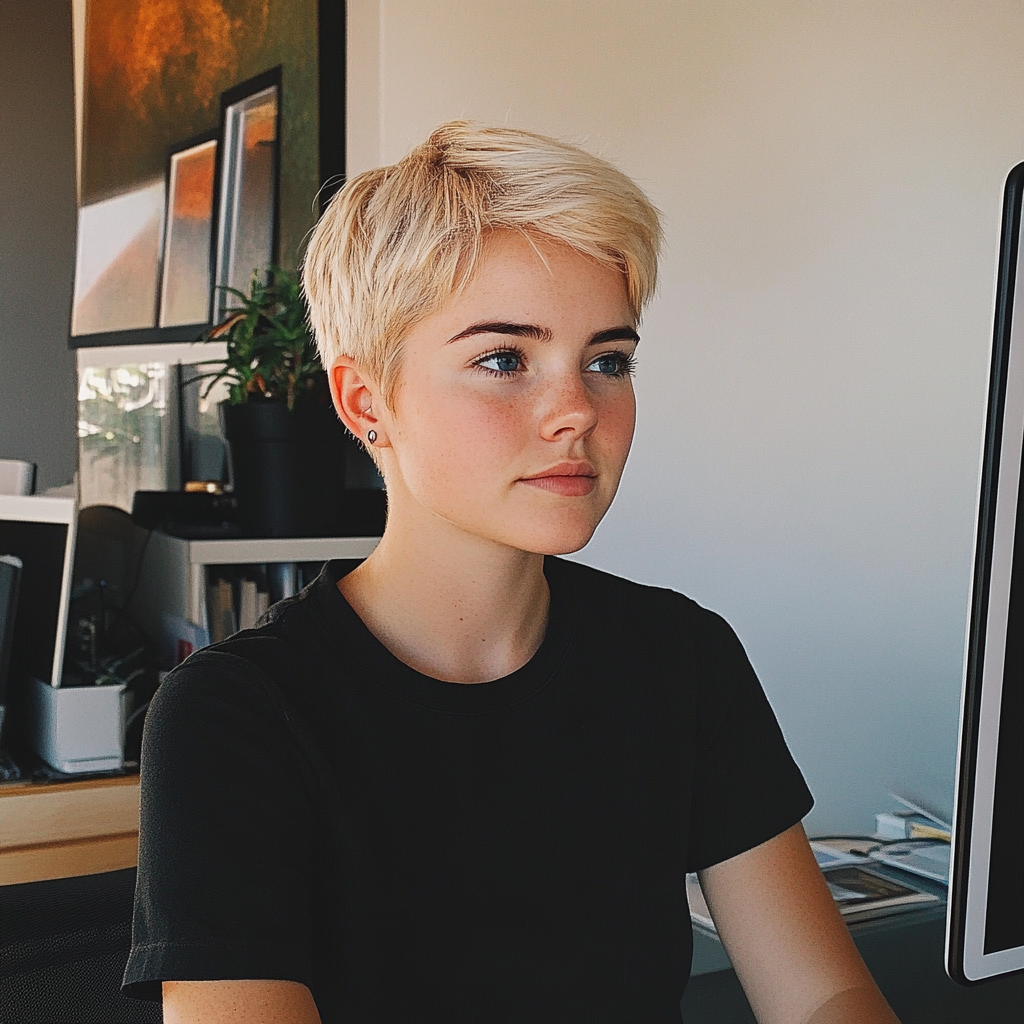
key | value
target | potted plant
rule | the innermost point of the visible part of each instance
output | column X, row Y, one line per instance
column 286, row 445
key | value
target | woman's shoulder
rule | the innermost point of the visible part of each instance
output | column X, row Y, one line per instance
column 655, row 615
column 221, row 683
column 262, row 659
column 598, row 585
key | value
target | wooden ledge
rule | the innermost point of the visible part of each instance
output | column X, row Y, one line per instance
column 64, row 829
column 45, row 861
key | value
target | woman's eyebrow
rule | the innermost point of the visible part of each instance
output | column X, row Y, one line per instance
column 502, row 327
column 541, row 333
column 615, row 334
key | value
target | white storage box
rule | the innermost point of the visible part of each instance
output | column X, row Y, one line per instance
column 75, row 728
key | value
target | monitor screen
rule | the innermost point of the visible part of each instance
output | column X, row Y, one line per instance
column 985, row 925
column 10, row 576
column 40, row 532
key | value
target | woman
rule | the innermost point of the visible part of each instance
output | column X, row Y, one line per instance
column 465, row 781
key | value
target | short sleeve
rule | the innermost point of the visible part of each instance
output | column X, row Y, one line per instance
column 746, row 786
column 226, row 833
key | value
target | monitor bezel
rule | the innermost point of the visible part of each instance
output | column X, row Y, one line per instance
column 40, row 508
column 999, row 486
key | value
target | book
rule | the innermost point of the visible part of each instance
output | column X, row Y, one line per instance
column 909, row 825
column 252, row 602
column 859, row 892
column 829, row 856
column 220, row 610
column 236, row 599
column 247, row 604
column 891, row 824
column 929, row 859
column 927, row 830
column 180, row 638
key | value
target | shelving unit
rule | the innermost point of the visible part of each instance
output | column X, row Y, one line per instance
column 173, row 573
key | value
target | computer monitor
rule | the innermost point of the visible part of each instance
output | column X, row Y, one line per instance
column 985, row 922
column 40, row 532
column 10, row 579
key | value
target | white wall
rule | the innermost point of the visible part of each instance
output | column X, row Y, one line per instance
column 812, row 374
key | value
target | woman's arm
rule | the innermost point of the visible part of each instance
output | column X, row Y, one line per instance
column 238, row 1002
column 791, row 950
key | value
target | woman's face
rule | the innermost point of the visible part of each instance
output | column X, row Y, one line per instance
column 514, row 410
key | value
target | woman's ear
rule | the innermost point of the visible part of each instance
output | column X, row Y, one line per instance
column 355, row 398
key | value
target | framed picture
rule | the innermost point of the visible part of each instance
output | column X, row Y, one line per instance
column 186, row 284
column 117, row 267
column 250, row 163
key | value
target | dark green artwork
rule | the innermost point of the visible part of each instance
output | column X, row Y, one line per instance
column 154, row 75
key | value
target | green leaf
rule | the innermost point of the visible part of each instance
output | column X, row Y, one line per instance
column 267, row 337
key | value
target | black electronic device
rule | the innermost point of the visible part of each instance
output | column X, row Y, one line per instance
column 40, row 533
column 200, row 515
column 985, row 924
column 73, row 728
column 190, row 514
column 10, row 578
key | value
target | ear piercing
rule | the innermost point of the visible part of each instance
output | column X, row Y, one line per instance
column 371, row 436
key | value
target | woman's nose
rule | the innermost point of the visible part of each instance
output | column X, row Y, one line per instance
column 567, row 407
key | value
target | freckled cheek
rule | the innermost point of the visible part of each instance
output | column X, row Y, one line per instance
column 494, row 433
column 617, row 421
column 462, row 435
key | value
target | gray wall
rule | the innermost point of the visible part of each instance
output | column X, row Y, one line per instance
column 37, row 236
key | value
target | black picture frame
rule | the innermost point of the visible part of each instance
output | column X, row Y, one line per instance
column 332, row 64
column 225, row 227
column 332, row 50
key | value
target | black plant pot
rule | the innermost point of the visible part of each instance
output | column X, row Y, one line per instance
column 288, row 468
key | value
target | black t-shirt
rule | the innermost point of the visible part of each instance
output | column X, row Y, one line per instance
column 315, row 810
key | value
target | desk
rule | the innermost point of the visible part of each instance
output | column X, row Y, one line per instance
column 65, row 829
column 904, row 953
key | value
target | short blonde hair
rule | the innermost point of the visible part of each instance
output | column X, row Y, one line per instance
column 396, row 243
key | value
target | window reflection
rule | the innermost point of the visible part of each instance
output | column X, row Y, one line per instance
column 127, row 432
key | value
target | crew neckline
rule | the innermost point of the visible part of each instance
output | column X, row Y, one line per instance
column 350, row 639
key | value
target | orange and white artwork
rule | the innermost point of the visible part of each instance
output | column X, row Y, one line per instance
column 186, row 287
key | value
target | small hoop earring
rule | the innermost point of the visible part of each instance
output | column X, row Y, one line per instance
column 372, row 436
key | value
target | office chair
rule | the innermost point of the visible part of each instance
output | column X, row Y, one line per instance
column 17, row 477
column 63, row 948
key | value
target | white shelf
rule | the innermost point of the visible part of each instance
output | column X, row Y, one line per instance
column 242, row 550
column 174, row 574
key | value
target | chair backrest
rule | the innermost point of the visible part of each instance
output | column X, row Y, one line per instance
column 64, row 945
column 17, row 477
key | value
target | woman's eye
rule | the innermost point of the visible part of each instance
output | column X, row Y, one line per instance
column 501, row 362
column 613, row 364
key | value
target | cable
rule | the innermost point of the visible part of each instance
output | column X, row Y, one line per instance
column 876, row 844
column 135, row 583
column 140, row 710
column 876, row 840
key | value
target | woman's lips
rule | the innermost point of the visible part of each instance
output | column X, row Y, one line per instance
column 568, row 479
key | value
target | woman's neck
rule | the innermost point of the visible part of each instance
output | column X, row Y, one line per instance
column 448, row 604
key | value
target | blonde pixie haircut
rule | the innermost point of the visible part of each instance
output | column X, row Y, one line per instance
column 396, row 243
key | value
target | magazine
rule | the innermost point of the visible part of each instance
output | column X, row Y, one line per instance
column 859, row 894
